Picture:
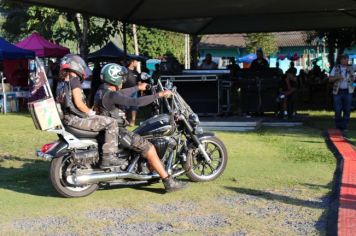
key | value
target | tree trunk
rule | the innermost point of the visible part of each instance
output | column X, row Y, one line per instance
column 82, row 33
column 84, row 48
column 134, row 32
column 194, row 51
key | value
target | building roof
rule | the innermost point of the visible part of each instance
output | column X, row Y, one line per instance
column 284, row 39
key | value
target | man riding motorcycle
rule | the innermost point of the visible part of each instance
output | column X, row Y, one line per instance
column 77, row 114
column 109, row 97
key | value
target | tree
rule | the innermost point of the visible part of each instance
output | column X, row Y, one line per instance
column 60, row 26
column 157, row 43
column 194, row 50
column 339, row 39
column 266, row 41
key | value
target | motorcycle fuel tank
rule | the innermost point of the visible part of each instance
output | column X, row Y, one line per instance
column 159, row 125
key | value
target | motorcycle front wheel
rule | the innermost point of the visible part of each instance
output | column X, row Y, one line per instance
column 61, row 167
column 199, row 170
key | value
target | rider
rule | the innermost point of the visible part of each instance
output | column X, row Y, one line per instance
column 107, row 100
column 77, row 114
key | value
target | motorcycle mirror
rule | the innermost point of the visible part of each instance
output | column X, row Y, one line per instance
column 145, row 76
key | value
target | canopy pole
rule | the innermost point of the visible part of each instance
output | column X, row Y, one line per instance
column 187, row 52
column 124, row 29
column 134, row 32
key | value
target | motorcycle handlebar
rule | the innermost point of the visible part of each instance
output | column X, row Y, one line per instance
column 149, row 87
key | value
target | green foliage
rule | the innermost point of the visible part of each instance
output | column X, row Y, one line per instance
column 266, row 41
column 14, row 17
column 21, row 20
column 340, row 39
column 60, row 26
column 156, row 43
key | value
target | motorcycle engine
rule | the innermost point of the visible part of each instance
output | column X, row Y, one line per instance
column 162, row 144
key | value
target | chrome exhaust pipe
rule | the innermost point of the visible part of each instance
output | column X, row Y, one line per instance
column 106, row 177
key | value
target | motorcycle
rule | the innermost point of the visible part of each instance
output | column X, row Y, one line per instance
column 181, row 144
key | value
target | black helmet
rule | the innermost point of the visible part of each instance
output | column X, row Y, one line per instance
column 76, row 64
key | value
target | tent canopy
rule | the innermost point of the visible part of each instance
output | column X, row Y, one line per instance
column 219, row 16
column 11, row 52
column 248, row 58
column 111, row 51
column 42, row 47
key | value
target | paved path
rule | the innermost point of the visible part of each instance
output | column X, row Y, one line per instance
column 347, row 208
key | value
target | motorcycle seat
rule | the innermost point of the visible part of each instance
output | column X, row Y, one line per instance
column 81, row 133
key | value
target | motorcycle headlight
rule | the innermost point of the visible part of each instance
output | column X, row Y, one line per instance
column 194, row 119
column 198, row 130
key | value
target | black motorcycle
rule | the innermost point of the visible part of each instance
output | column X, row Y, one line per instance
column 181, row 144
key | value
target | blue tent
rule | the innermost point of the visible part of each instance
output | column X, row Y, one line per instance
column 11, row 52
column 248, row 58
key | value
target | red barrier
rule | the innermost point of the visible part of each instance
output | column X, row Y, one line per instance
column 347, row 208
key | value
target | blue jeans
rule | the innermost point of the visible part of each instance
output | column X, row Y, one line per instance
column 342, row 104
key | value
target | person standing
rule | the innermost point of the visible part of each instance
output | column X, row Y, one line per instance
column 342, row 76
column 208, row 63
column 292, row 70
column 132, row 81
column 260, row 63
column 95, row 82
column 233, row 67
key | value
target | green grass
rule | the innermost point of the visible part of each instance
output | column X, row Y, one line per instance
column 265, row 164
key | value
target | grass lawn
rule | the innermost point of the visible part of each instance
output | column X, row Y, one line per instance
column 276, row 183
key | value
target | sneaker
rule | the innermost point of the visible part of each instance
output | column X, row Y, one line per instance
column 172, row 185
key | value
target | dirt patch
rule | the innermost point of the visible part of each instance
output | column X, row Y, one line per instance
column 40, row 224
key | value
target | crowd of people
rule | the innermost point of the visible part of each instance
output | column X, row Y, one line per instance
column 292, row 86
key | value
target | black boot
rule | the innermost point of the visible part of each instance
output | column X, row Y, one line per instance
column 110, row 160
column 171, row 184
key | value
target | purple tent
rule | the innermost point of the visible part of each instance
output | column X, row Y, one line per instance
column 42, row 47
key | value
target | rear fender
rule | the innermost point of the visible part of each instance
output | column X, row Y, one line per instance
column 59, row 149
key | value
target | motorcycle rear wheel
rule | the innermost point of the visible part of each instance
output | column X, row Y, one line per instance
column 199, row 169
column 58, row 169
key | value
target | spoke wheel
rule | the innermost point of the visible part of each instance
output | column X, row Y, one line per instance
column 60, row 169
column 200, row 169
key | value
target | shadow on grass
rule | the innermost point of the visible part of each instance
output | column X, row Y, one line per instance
column 308, row 141
column 322, row 225
column 332, row 216
column 278, row 197
column 329, row 186
column 137, row 185
column 31, row 178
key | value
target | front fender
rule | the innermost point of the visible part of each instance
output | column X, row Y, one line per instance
column 205, row 134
